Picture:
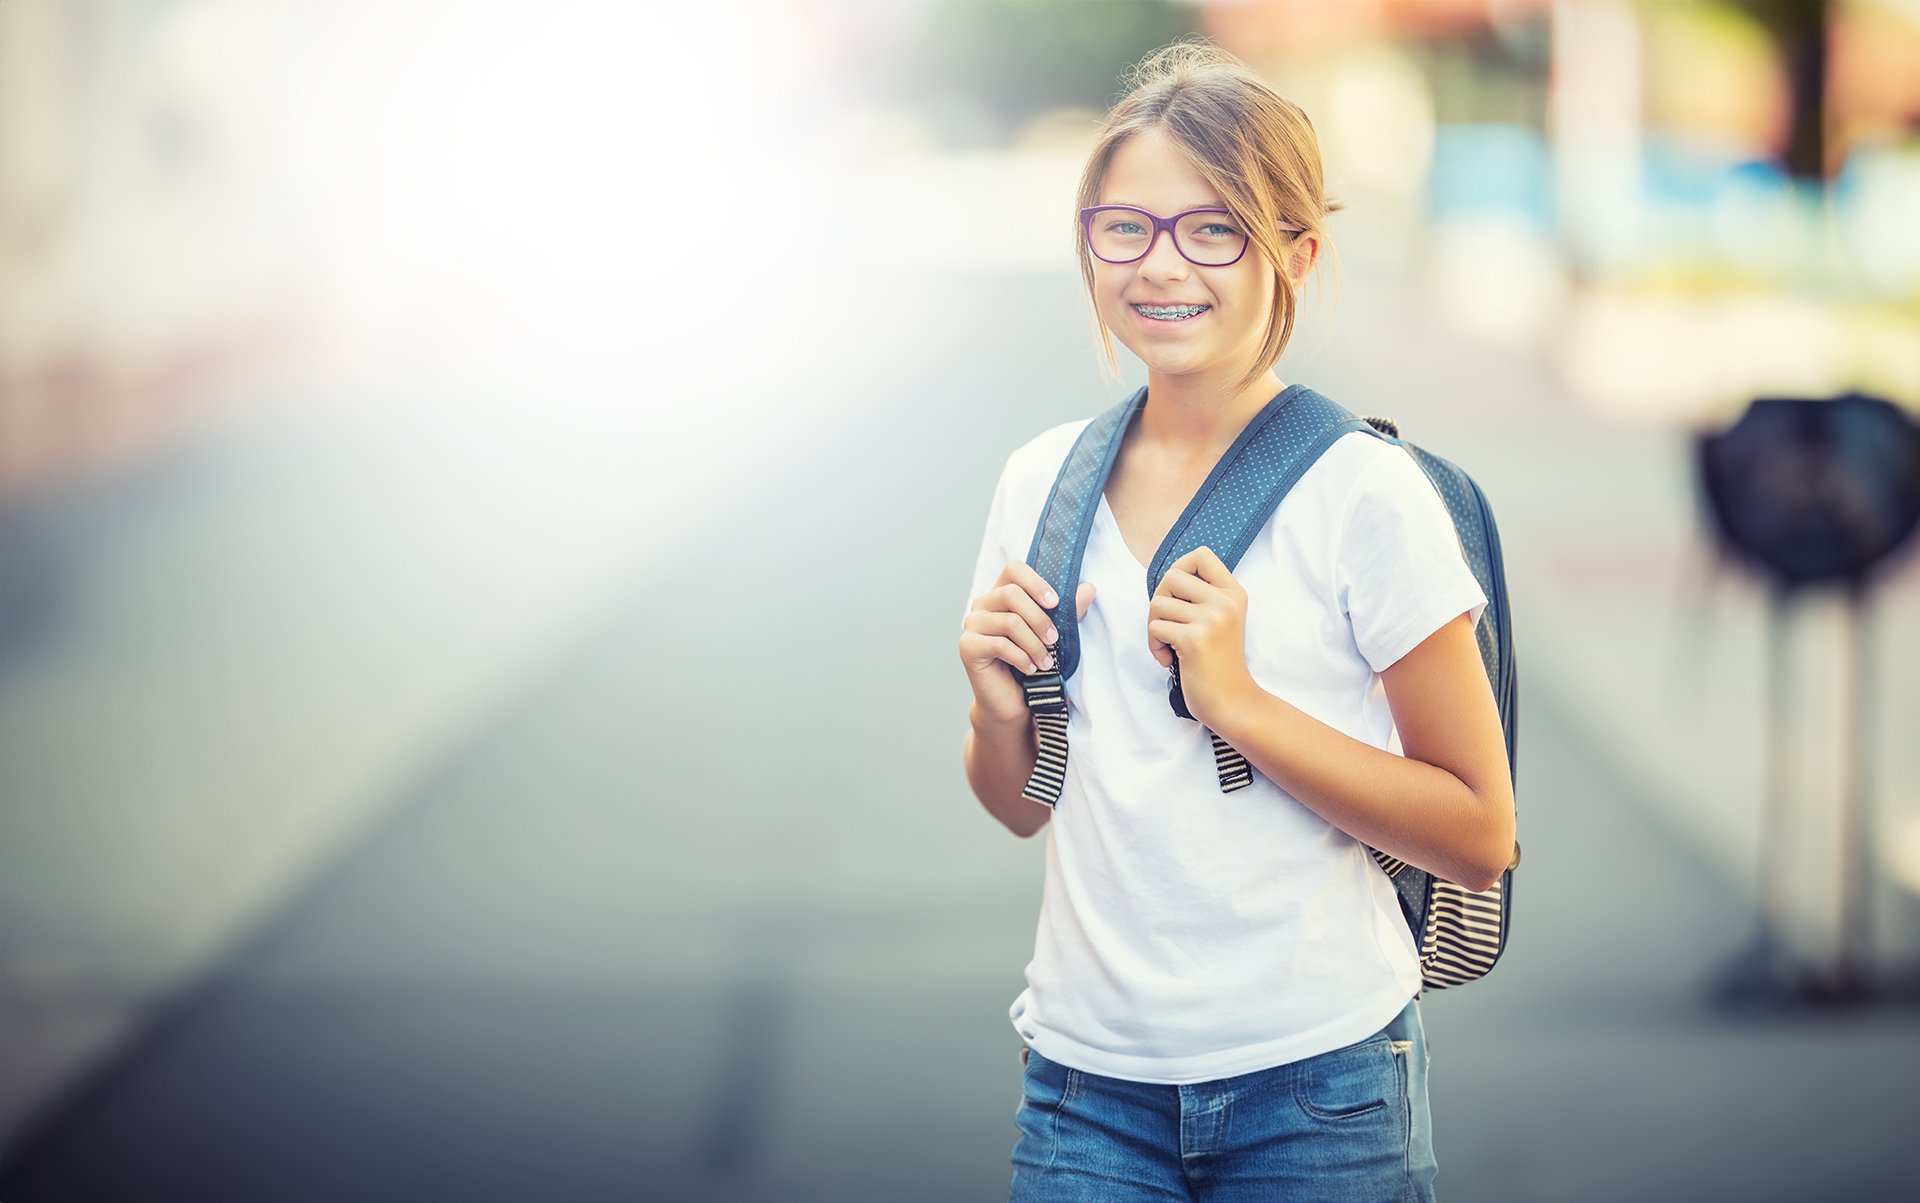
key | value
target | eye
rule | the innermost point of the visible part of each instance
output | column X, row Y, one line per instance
column 1218, row 229
column 1126, row 227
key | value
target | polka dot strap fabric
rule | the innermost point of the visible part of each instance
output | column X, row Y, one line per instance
column 1059, row 546
column 1227, row 512
column 1235, row 501
column 1254, row 476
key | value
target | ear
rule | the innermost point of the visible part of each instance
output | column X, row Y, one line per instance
column 1306, row 253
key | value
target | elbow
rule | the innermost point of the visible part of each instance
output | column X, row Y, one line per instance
column 1496, row 854
column 1481, row 874
column 1027, row 821
column 1000, row 795
column 1479, row 882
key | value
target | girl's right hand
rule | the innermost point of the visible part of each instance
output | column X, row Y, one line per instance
column 1008, row 625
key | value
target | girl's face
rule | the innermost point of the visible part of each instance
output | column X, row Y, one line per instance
column 1222, row 312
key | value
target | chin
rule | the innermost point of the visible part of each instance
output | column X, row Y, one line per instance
column 1160, row 355
column 1159, row 361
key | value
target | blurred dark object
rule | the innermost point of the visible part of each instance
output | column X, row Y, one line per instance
column 1799, row 29
column 1813, row 492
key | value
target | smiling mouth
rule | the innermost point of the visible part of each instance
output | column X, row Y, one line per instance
column 1170, row 313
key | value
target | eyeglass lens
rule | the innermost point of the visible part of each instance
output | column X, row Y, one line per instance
column 1206, row 239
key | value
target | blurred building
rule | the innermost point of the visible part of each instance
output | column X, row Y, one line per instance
column 146, row 255
column 1684, row 204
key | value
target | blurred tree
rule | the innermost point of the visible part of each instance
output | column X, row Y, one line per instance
column 1489, row 76
column 987, row 67
column 1715, row 76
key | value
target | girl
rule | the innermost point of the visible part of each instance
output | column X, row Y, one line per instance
column 1219, row 1004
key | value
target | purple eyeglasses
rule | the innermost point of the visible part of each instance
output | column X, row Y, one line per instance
column 1126, row 233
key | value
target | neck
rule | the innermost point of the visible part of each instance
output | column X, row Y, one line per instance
column 1202, row 416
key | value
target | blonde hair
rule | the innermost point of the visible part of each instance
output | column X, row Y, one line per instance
column 1254, row 146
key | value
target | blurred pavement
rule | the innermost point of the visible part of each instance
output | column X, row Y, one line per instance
column 701, row 907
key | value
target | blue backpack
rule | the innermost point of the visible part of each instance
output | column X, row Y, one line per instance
column 1460, row 933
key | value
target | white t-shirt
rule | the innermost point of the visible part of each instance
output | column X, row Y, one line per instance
column 1186, row 934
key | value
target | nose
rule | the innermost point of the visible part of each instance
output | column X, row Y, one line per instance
column 1163, row 260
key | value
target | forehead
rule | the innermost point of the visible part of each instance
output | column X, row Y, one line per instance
column 1149, row 171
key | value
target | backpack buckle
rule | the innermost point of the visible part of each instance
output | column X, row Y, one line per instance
column 1176, row 696
column 1046, row 692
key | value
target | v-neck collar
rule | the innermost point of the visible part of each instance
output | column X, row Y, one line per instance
column 1105, row 514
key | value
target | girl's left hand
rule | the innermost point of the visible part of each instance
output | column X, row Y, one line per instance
column 1200, row 611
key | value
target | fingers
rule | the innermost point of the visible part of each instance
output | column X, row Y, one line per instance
column 1006, row 636
column 1018, row 572
column 1015, row 599
column 1161, row 649
column 1175, row 609
column 1180, row 583
column 1199, row 576
column 1196, row 601
column 1208, row 567
column 1010, row 622
column 1161, row 632
column 1170, row 621
column 1202, row 563
column 1193, row 588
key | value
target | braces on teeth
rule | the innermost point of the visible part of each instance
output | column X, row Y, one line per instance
column 1170, row 310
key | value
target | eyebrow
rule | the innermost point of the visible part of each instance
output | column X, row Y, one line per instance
column 1286, row 227
column 1182, row 209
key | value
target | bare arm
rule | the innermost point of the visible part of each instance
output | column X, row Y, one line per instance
column 999, row 756
column 1446, row 806
column 1007, row 626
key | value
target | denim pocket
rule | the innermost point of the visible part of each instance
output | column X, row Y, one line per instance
column 1044, row 1083
column 1045, row 1087
column 1349, row 1084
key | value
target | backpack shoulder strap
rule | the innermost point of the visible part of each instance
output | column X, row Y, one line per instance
column 1060, row 540
column 1254, row 477
column 1059, row 546
column 1235, row 502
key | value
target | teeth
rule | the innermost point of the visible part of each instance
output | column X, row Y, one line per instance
column 1169, row 312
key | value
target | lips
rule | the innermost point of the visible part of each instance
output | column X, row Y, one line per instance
column 1170, row 313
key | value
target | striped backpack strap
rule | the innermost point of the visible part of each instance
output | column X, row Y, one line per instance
column 1461, row 934
column 1059, row 545
column 1235, row 502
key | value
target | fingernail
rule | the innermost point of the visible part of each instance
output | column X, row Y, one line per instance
column 1046, row 662
column 1053, row 636
column 1051, row 600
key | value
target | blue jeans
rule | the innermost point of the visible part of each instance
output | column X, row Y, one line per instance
column 1349, row 1126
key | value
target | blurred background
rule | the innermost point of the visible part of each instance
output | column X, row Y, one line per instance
column 487, row 493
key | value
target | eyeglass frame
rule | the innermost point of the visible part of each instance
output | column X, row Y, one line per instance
column 1168, row 224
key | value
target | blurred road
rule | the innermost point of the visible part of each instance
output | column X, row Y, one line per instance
column 708, row 913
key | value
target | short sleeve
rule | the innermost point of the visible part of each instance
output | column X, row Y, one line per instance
column 993, row 549
column 1399, row 570
column 1018, row 499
